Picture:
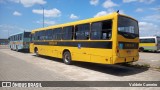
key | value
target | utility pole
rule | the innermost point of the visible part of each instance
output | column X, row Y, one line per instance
column 43, row 16
column 43, row 12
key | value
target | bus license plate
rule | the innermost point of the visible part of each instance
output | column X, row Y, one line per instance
column 129, row 51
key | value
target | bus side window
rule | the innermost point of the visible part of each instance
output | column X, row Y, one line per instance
column 21, row 37
column 37, row 35
column 58, row 33
column 101, row 30
column 82, row 31
column 16, row 37
column 41, row 35
column 49, row 34
column 96, row 30
column 107, row 29
column 68, row 33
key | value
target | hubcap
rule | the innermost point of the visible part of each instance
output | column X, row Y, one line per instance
column 66, row 58
column 37, row 52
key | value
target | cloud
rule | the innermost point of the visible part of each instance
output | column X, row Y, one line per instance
column 109, row 4
column 146, row 1
column 48, row 13
column 101, row 13
column 139, row 10
column 2, row 1
column 121, row 12
column 72, row 16
column 4, row 28
column 153, row 18
column 142, row 1
column 29, row 3
column 128, row 1
column 148, row 29
column 109, row 11
column 94, row 2
column 156, row 8
column 16, row 13
column 46, row 22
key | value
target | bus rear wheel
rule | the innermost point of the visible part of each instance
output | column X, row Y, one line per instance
column 17, row 49
column 11, row 48
column 141, row 49
column 67, row 58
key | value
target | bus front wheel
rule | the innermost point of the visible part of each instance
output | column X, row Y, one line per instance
column 67, row 58
column 36, row 52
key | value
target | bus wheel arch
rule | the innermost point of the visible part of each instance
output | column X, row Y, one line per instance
column 36, row 51
column 141, row 49
column 67, row 58
column 17, row 48
column 11, row 47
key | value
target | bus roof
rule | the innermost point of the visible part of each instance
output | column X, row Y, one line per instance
column 109, row 16
column 17, row 33
column 149, row 37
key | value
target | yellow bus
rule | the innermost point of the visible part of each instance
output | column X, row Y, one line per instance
column 149, row 44
column 109, row 39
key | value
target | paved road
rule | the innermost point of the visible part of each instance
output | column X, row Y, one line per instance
column 150, row 58
column 15, row 69
column 26, row 66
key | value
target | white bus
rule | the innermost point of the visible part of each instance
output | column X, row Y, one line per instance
column 149, row 43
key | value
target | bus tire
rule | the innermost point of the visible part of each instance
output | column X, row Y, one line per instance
column 141, row 49
column 155, row 51
column 11, row 48
column 36, row 52
column 67, row 58
column 17, row 49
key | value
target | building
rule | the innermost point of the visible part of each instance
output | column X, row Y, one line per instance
column 4, row 41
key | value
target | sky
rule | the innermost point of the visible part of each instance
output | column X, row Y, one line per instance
column 25, row 15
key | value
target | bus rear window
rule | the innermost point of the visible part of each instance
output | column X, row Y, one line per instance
column 127, row 27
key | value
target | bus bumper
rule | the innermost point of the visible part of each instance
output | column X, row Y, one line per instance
column 117, row 59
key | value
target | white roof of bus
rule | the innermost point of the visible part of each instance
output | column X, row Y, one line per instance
column 149, row 37
column 17, row 33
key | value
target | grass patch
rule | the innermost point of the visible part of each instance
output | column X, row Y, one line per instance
column 138, row 65
column 158, row 68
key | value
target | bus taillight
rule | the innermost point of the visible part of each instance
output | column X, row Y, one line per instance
column 117, row 49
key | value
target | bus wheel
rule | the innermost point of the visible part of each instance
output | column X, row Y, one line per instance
column 11, row 48
column 36, row 51
column 141, row 49
column 67, row 58
column 17, row 49
column 155, row 51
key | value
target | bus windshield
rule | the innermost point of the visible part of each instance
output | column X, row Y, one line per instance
column 127, row 27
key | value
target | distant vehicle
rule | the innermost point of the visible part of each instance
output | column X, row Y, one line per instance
column 19, row 41
column 149, row 44
column 109, row 39
column 4, row 41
